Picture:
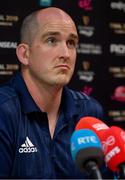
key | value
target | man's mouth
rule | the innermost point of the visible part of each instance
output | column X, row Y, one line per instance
column 63, row 66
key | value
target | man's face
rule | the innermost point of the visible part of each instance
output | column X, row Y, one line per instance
column 52, row 54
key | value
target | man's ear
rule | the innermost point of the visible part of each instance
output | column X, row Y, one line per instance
column 22, row 52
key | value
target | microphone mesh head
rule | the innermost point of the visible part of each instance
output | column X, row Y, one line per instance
column 89, row 154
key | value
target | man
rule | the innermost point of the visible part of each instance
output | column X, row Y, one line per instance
column 38, row 113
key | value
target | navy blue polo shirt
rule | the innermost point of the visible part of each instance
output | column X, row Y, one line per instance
column 26, row 147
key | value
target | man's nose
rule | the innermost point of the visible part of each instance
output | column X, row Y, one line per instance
column 64, row 51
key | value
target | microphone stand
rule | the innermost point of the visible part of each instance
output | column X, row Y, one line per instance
column 93, row 170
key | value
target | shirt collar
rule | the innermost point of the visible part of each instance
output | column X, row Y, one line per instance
column 27, row 102
column 28, row 105
column 68, row 104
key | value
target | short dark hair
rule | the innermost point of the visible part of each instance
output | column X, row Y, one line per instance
column 29, row 28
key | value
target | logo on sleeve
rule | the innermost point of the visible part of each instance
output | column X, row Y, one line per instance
column 27, row 147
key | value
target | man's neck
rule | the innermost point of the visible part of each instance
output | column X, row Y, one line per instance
column 48, row 99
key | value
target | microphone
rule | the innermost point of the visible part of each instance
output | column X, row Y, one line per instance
column 114, row 150
column 86, row 151
column 93, row 124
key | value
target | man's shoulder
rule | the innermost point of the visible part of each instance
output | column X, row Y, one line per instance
column 7, row 93
column 83, row 98
column 86, row 104
column 78, row 95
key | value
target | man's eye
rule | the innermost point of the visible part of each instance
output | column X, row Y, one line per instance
column 72, row 44
column 51, row 40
